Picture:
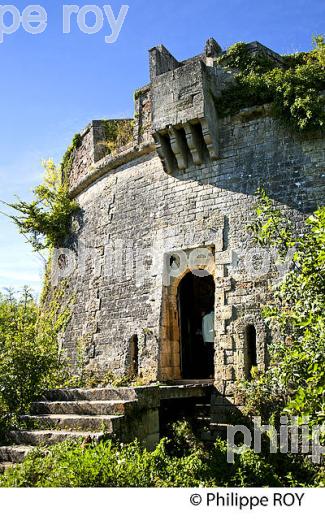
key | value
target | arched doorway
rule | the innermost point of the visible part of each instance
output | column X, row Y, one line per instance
column 195, row 298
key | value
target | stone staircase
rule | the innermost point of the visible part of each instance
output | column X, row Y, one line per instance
column 70, row 415
column 121, row 413
column 209, row 415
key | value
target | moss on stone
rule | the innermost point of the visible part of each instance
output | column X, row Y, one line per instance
column 67, row 160
column 118, row 133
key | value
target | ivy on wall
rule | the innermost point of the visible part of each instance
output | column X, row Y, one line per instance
column 293, row 87
column 67, row 160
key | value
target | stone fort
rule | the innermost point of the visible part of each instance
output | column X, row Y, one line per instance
column 160, row 241
column 161, row 236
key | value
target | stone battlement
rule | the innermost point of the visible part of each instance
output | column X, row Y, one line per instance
column 176, row 115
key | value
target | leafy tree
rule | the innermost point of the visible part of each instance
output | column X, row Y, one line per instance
column 30, row 359
column 46, row 220
column 295, row 380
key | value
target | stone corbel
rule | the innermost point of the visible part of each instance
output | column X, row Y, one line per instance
column 210, row 135
column 164, row 152
column 179, row 148
column 194, row 143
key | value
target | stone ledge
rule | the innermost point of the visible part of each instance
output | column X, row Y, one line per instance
column 109, row 163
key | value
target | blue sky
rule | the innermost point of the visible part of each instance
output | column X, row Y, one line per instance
column 53, row 84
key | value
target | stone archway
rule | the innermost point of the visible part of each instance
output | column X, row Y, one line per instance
column 251, row 342
column 172, row 365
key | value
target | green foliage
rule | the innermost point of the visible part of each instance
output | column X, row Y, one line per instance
column 118, row 133
column 296, row 378
column 270, row 227
column 294, row 89
column 46, row 220
column 21, row 360
column 183, row 441
column 30, row 359
column 238, row 57
column 174, row 463
column 68, row 157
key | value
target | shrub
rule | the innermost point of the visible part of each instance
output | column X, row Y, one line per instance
column 118, row 133
column 296, row 377
column 46, row 220
column 115, row 465
column 294, row 88
column 30, row 360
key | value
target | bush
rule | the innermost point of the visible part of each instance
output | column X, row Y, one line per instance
column 296, row 378
column 118, row 133
column 29, row 354
column 174, row 463
column 294, row 88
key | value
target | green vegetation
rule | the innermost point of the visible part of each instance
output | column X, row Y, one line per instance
column 68, row 157
column 89, row 378
column 46, row 220
column 30, row 358
column 295, row 381
column 294, row 88
column 118, row 133
column 30, row 361
column 177, row 462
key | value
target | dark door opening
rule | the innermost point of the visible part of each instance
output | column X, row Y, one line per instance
column 251, row 351
column 195, row 300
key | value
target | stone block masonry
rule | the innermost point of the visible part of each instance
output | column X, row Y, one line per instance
column 186, row 182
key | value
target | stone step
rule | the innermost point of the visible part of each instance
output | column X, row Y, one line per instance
column 14, row 454
column 50, row 437
column 97, row 423
column 81, row 407
column 6, row 465
column 94, row 394
column 202, row 410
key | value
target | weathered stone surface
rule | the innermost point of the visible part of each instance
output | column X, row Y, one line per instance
column 77, row 419
column 82, row 407
column 196, row 189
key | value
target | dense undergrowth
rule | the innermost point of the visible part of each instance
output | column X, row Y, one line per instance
column 180, row 461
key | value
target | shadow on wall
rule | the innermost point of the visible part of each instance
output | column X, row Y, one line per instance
column 264, row 153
